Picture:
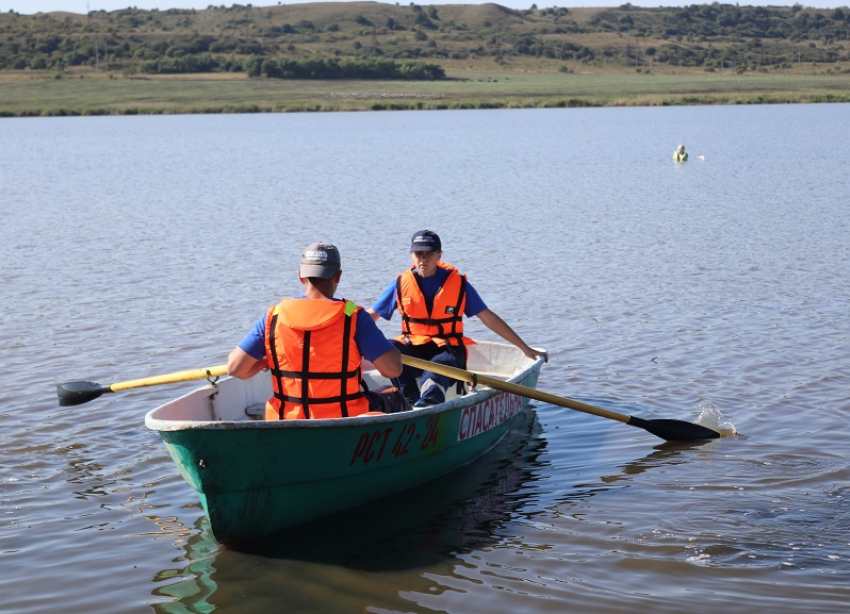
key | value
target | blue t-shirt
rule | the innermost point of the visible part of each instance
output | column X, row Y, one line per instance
column 370, row 341
column 386, row 303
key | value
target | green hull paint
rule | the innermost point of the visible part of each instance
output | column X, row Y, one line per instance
column 254, row 478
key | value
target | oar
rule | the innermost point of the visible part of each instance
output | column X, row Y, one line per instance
column 671, row 430
column 77, row 393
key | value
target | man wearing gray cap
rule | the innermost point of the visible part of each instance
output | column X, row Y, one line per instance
column 313, row 346
column 432, row 298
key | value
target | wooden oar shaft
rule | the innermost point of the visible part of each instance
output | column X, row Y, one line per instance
column 171, row 378
column 518, row 389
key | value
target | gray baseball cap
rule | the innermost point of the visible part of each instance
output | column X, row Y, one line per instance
column 320, row 260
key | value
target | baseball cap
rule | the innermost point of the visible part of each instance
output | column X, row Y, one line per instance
column 320, row 260
column 425, row 241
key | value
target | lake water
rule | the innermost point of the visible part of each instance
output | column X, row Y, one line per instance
column 137, row 246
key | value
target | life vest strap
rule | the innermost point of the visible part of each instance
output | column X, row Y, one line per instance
column 304, row 373
column 448, row 336
column 275, row 359
column 435, row 321
column 342, row 376
column 305, row 365
column 317, row 400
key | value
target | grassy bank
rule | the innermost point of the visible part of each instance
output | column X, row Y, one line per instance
column 90, row 93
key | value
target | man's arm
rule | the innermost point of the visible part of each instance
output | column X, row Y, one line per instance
column 242, row 365
column 371, row 341
column 501, row 328
column 384, row 306
column 389, row 363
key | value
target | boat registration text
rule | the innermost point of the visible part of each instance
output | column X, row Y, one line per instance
column 395, row 441
column 488, row 415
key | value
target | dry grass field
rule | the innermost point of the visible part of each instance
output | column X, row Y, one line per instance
column 89, row 93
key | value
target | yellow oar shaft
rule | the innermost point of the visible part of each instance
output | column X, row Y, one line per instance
column 518, row 389
column 171, row 378
column 671, row 430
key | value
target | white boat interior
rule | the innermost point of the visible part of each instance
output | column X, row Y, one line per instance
column 234, row 400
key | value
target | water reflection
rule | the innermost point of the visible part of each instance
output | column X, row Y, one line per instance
column 666, row 454
column 196, row 585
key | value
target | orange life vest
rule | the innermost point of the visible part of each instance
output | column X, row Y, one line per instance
column 314, row 361
column 444, row 324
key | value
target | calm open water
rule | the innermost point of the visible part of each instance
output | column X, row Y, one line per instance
column 137, row 246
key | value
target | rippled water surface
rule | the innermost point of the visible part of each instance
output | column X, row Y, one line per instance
column 137, row 246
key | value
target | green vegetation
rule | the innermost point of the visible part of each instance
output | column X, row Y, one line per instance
column 220, row 39
column 362, row 55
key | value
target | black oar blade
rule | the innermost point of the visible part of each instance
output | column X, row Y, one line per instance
column 77, row 393
column 674, row 430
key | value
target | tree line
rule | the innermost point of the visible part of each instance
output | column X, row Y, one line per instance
column 409, row 42
column 304, row 68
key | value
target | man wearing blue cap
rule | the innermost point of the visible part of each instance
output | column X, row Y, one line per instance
column 432, row 298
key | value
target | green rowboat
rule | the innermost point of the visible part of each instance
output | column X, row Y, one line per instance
column 256, row 477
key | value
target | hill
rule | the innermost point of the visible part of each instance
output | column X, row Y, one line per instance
column 264, row 41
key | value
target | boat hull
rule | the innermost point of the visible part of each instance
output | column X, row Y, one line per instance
column 256, row 477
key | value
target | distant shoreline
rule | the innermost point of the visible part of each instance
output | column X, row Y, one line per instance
column 37, row 94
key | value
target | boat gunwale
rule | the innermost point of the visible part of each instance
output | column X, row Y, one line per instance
column 481, row 394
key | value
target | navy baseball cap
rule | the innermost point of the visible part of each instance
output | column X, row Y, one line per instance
column 320, row 260
column 425, row 241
